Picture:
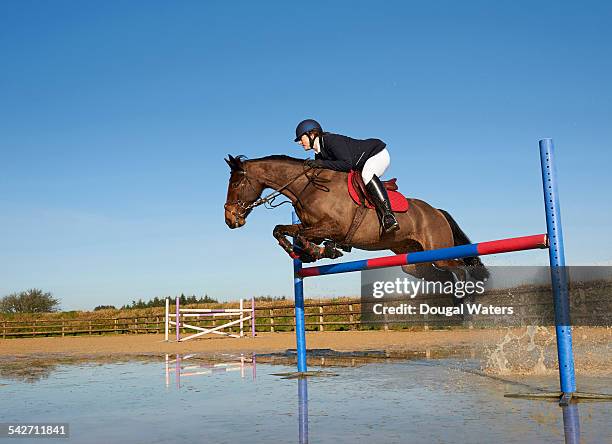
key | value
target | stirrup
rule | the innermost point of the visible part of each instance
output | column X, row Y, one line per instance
column 390, row 228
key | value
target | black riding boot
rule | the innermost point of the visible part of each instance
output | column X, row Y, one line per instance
column 380, row 198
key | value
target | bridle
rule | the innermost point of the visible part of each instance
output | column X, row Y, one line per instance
column 245, row 208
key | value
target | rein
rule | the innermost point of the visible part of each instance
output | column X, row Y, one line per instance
column 269, row 199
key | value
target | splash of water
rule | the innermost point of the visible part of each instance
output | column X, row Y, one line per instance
column 529, row 352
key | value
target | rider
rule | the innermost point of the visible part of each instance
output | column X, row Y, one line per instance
column 342, row 153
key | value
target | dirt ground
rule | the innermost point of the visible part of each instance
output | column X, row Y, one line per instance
column 591, row 344
column 262, row 343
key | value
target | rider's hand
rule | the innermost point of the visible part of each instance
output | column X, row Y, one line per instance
column 311, row 163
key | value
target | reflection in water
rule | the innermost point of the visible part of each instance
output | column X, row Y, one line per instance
column 571, row 416
column 126, row 393
column 33, row 369
column 198, row 367
column 303, row 410
column 571, row 423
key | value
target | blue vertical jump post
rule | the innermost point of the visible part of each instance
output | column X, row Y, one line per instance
column 558, row 272
column 298, row 285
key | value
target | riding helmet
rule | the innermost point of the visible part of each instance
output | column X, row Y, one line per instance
column 306, row 126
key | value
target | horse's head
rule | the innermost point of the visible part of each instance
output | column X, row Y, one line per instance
column 242, row 191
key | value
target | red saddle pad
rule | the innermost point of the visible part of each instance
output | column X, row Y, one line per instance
column 399, row 203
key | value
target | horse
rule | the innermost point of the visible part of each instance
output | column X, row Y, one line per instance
column 330, row 217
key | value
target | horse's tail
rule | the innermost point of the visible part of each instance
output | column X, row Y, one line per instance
column 477, row 268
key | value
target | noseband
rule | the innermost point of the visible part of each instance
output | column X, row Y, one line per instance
column 243, row 207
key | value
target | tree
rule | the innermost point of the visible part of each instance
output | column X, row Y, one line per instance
column 29, row 301
column 269, row 298
column 161, row 302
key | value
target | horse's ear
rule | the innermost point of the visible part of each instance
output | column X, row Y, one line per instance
column 235, row 163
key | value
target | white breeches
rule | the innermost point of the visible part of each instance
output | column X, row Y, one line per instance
column 376, row 164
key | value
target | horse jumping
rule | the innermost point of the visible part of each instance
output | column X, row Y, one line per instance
column 329, row 216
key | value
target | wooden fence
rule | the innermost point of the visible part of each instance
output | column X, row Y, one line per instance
column 534, row 304
column 322, row 315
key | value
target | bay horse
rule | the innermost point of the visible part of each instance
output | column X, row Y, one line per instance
column 327, row 213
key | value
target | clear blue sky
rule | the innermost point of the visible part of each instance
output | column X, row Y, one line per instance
column 115, row 118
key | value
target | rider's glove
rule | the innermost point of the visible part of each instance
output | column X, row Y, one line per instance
column 311, row 163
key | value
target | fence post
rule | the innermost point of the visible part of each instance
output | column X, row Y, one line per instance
column 253, row 325
column 271, row 320
column 241, row 318
column 321, row 317
column 351, row 317
column 4, row 330
column 178, row 321
column 167, row 319
column 89, row 328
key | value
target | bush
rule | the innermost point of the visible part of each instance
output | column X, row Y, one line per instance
column 105, row 307
column 29, row 301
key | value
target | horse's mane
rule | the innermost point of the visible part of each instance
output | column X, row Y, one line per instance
column 236, row 163
column 280, row 157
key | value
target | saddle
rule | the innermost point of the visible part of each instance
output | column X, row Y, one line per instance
column 357, row 191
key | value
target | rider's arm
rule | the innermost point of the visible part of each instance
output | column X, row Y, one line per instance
column 339, row 150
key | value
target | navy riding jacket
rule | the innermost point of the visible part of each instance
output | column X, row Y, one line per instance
column 342, row 153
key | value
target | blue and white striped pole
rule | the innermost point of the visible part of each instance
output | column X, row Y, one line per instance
column 558, row 271
column 298, row 283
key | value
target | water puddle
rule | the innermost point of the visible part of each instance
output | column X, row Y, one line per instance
column 441, row 396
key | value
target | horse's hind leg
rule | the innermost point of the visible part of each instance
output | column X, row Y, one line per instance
column 426, row 271
column 439, row 271
column 439, row 234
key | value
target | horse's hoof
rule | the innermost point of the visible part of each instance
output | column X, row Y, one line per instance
column 306, row 258
column 331, row 252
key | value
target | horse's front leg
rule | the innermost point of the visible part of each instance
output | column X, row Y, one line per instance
column 306, row 251
column 311, row 237
column 281, row 232
column 307, row 240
